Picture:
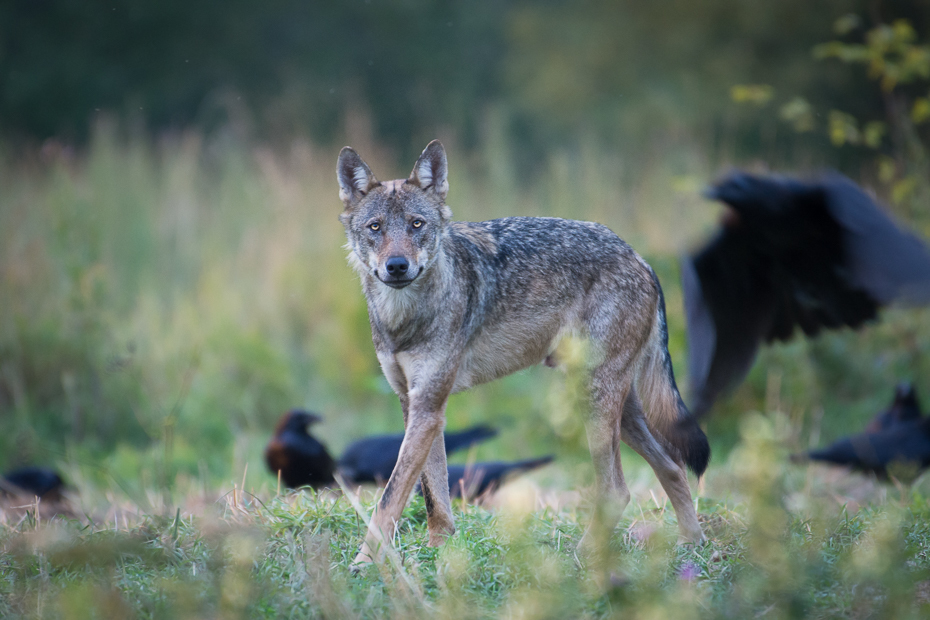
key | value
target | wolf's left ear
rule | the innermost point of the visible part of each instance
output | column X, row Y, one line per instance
column 355, row 177
column 431, row 170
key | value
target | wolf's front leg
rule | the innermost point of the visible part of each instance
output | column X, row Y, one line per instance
column 434, row 482
column 435, row 485
column 422, row 430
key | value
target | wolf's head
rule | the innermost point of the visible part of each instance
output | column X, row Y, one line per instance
column 394, row 228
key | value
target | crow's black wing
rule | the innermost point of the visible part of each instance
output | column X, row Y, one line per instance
column 32, row 481
column 729, row 308
column 857, row 452
column 468, row 437
column 882, row 258
column 479, row 477
column 371, row 459
column 792, row 255
column 903, row 447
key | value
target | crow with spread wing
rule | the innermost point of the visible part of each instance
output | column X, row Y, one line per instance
column 790, row 254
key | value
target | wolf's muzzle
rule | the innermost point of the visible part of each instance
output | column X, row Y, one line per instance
column 398, row 272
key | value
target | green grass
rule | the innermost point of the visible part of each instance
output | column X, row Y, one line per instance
column 288, row 556
column 162, row 303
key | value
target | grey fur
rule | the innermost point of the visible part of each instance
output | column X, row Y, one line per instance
column 484, row 299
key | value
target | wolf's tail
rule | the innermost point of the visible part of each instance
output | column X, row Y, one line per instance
column 665, row 410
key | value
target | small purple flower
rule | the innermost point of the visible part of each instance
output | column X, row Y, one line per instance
column 689, row 571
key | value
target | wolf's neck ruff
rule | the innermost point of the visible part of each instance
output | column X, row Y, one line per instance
column 392, row 308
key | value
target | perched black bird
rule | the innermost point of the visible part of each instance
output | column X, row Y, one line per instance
column 479, row 478
column 903, row 451
column 904, row 409
column 372, row 459
column 300, row 457
column 815, row 255
column 30, row 482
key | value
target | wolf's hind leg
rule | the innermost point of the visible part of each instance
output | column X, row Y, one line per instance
column 671, row 474
column 612, row 494
column 434, row 481
column 602, row 430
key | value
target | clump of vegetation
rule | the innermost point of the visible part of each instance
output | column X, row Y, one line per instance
column 168, row 301
column 288, row 555
column 165, row 300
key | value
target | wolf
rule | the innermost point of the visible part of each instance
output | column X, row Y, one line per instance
column 456, row 304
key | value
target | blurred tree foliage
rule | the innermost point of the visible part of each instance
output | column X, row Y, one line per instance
column 900, row 66
column 282, row 64
column 552, row 70
column 891, row 136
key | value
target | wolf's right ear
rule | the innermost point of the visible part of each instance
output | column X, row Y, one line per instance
column 355, row 177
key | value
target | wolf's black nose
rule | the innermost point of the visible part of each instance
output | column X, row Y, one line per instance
column 397, row 266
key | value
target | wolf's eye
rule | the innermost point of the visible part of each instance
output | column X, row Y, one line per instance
column 375, row 226
column 416, row 223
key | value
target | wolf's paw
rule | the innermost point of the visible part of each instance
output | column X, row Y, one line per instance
column 365, row 558
column 439, row 536
column 695, row 538
column 360, row 563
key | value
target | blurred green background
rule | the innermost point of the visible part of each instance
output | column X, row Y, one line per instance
column 172, row 277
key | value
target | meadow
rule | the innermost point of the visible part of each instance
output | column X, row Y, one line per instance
column 163, row 301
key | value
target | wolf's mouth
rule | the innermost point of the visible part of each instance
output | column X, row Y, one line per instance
column 399, row 283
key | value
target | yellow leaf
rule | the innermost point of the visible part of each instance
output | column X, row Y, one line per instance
column 872, row 134
column 901, row 190
column 920, row 112
column 887, row 169
column 903, row 31
column 756, row 94
column 799, row 113
column 846, row 24
column 843, row 128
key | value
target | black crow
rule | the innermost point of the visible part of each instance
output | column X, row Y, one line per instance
column 300, row 457
column 479, row 478
column 30, row 482
column 815, row 255
column 372, row 459
column 902, row 450
column 904, row 409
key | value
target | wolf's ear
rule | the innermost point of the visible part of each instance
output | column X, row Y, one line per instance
column 355, row 177
column 431, row 170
